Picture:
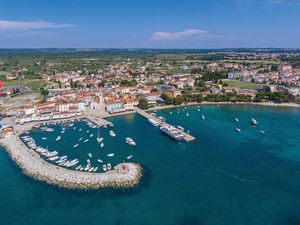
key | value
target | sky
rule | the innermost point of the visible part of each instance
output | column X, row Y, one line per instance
column 198, row 24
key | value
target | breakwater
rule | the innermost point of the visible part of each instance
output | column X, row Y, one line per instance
column 122, row 175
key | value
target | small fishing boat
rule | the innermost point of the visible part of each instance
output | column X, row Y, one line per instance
column 112, row 134
column 110, row 155
column 58, row 138
column 88, row 131
column 202, row 117
column 99, row 161
column 104, row 168
column 262, row 132
column 90, row 155
column 108, row 166
column 44, row 138
column 80, row 129
column 236, row 120
column 96, row 168
column 102, row 145
column 63, row 131
column 75, row 146
column 253, row 121
column 129, row 157
column 99, row 139
column 86, row 140
column 80, row 139
column 187, row 115
column 237, row 129
column 91, row 135
column 72, row 124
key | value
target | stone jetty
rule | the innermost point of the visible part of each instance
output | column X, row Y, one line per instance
column 123, row 175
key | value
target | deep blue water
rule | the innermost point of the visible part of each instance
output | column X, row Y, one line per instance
column 223, row 177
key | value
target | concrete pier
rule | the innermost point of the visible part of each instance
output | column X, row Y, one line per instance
column 187, row 137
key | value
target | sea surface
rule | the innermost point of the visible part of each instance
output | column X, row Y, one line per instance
column 222, row 178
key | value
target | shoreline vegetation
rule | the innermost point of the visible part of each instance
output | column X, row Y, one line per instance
column 123, row 175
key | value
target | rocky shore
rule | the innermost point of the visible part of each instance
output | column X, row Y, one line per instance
column 123, row 175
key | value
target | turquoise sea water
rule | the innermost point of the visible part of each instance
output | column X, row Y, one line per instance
column 223, row 177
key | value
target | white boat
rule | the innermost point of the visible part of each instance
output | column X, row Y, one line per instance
column 180, row 128
column 86, row 140
column 80, row 130
column 99, row 139
column 112, row 134
column 54, row 158
column 129, row 157
column 253, row 121
column 90, row 155
column 63, row 131
column 262, row 132
column 171, row 112
column 75, row 146
column 198, row 110
column 130, row 141
column 80, row 139
column 237, row 129
column 58, row 138
column 88, row 131
column 74, row 128
column 91, row 135
column 44, row 138
column 236, row 120
column 96, row 168
column 202, row 117
column 102, row 145
column 108, row 166
column 187, row 115
column 99, row 161
column 110, row 155
column 91, row 169
column 104, row 167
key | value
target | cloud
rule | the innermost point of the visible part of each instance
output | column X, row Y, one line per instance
column 6, row 25
column 173, row 36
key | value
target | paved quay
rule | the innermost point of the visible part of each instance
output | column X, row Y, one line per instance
column 122, row 175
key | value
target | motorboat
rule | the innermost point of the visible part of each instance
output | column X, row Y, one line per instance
column 104, row 167
column 202, row 117
column 129, row 157
column 58, row 138
column 108, row 166
column 86, row 140
column 75, row 146
column 130, row 141
column 253, row 121
column 110, row 155
column 236, row 120
column 102, row 145
column 99, row 161
column 90, row 155
column 112, row 134
column 237, row 129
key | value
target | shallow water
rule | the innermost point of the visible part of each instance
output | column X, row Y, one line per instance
column 223, row 177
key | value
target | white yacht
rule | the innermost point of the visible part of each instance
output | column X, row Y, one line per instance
column 130, row 141
column 112, row 134
column 253, row 121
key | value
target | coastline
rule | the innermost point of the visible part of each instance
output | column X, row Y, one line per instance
column 34, row 166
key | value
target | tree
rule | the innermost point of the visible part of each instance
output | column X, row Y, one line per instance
column 143, row 104
column 44, row 92
column 154, row 90
column 168, row 100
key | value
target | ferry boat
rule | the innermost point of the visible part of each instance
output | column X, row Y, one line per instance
column 110, row 155
column 112, row 134
column 129, row 157
column 58, row 138
column 130, row 141
column 75, row 146
column 153, row 122
column 253, row 121
column 172, row 132
column 86, row 140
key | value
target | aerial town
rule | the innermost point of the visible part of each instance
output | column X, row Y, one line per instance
column 67, row 88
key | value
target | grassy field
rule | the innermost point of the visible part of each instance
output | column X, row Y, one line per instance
column 241, row 84
column 33, row 84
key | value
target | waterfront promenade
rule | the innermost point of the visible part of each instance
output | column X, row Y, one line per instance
column 122, row 175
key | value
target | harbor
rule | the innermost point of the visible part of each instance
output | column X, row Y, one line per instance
column 37, row 162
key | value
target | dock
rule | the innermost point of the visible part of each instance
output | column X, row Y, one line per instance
column 99, row 121
column 187, row 137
